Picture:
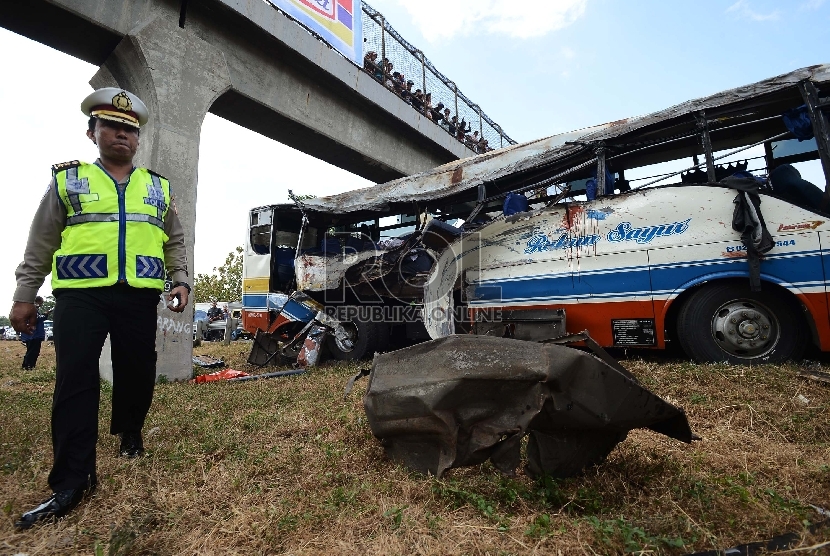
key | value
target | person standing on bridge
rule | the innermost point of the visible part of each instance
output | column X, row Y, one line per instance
column 107, row 276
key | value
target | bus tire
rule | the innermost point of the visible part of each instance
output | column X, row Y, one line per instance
column 727, row 323
column 358, row 340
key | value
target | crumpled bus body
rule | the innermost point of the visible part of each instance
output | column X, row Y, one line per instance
column 434, row 254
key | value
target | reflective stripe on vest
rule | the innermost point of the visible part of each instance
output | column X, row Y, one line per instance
column 81, row 266
column 83, row 218
column 149, row 267
column 112, row 234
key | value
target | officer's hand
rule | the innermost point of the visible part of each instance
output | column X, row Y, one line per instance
column 181, row 293
column 23, row 317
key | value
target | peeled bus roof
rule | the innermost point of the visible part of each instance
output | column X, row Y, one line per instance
column 528, row 159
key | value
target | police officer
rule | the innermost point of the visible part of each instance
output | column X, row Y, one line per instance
column 215, row 313
column 106, row 231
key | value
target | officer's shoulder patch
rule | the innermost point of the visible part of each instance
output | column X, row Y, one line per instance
column 65, row 166
column 157, row 174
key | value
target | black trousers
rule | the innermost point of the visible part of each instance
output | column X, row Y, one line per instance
column 32, row 353
column 82, row 319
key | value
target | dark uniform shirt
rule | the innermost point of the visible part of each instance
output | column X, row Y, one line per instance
column 215, row 313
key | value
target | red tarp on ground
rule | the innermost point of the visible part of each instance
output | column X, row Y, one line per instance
column 224, row 374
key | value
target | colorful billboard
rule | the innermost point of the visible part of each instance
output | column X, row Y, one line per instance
column 337, row 21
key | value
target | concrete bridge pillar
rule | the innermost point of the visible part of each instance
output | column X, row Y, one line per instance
column 178, row 76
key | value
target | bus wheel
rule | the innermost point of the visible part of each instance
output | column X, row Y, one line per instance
column 354, row 340
column 728, row 323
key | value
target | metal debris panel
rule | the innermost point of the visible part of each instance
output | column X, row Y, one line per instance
column 461, row 400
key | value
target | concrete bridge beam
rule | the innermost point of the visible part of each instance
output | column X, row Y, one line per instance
column 178, row 76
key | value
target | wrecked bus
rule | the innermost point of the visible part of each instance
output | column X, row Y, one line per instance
column 727, row 257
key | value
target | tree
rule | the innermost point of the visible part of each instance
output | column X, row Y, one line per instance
column 224, row 283
column 4, row 321
column 48, row 304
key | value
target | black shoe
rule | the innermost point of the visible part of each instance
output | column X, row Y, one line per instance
column 131, row 444
column 57, row 505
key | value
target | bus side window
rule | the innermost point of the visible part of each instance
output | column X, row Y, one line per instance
column 261, row 232
column 260, row 239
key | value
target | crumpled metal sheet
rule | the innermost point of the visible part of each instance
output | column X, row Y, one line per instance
column 312, row 348
column 207, row 361
column 321, row 272
column 461, row 400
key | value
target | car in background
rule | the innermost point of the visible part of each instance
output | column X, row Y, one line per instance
column 48, row 330
column 215, row 331
column 10, row 334
column 198, row 315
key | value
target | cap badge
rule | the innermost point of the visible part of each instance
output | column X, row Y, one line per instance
column 122, row 102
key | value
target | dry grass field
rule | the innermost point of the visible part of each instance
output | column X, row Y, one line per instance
column 286, row 466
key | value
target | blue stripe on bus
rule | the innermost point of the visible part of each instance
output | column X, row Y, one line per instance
column 298, row 311
column 789, row 270
column 638, row 282
column 701, row 262
column 292, row 309
column 254, row 300
column 567, row 285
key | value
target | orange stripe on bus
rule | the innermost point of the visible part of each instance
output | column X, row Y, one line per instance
column 596, row 317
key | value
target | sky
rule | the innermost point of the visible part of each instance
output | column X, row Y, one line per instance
column 556, row 66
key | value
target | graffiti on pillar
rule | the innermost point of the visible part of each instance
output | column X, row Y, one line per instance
column 166, row 325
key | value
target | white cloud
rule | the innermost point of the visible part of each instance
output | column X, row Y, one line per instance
column 744, row 10
column 475, row 17
column 811, row 5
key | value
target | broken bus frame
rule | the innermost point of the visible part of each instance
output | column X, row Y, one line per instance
column 637, row 266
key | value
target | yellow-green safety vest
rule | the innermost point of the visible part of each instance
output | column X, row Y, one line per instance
column 112, row 234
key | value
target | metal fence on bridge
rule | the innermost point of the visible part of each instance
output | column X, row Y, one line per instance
column 380, row 37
